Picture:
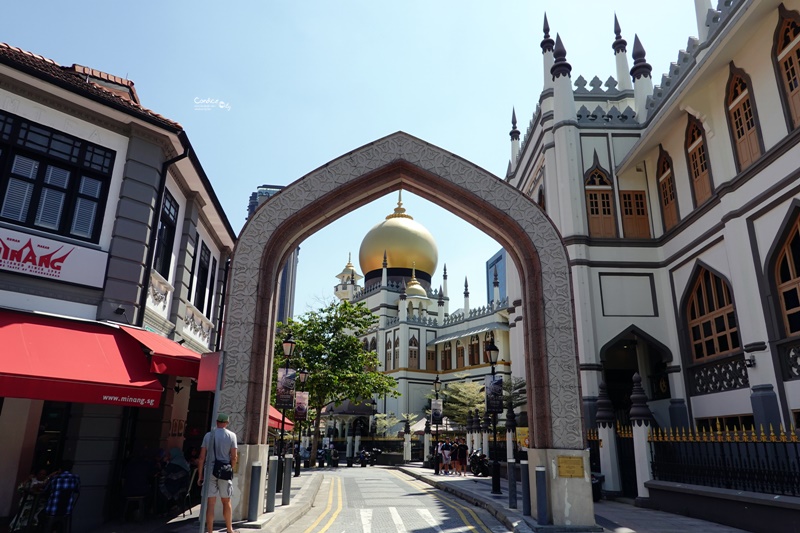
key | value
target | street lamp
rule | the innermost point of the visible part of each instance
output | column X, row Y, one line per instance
column 493, row 352
column 437, row 386
column 288, row 351
column 373, row 425
column 302, row 376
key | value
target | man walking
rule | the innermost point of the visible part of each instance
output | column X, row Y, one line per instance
column 224, row 451
column 61, row 490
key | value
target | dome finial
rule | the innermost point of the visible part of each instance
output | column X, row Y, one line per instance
column 547, row 43
column 620, row 45
column 514, row 131
column 399, row 211
column 640, row 65
column 560, row 67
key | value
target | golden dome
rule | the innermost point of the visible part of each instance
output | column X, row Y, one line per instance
column 405, row 241
column 414, row 287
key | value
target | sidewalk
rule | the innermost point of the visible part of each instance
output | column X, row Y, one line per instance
column 611, row 516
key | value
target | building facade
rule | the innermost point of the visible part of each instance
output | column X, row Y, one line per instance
column 114, row 247
column 678, row 202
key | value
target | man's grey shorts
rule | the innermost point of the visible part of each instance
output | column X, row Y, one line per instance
column 220, row 487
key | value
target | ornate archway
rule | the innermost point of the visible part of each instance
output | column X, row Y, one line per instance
column 355, row 179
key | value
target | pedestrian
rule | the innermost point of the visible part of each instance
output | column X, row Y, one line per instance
column 462, row 452
column 224, row 452
column 62, row 490
column 447, row 449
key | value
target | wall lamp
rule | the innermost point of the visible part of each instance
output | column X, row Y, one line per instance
column 761, row 346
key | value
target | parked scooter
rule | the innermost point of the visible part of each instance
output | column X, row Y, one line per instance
column 479, row 463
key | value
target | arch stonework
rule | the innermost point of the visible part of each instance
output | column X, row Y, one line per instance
column 355, row 179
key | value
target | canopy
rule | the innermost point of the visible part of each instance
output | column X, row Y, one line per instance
column 275, row 420
column 166, row 355
column 49, row 358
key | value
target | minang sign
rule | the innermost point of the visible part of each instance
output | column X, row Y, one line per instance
column 46, row 258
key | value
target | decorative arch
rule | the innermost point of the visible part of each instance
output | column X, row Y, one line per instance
column 786, row 317
column 478, row 197
column 742, row 115
column 599, row 192
column 670, row 214
column 786, row 62
column 697, row 161
column 663, row 349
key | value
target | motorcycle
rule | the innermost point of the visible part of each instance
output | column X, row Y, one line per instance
column 479, row 463
column 369, row 457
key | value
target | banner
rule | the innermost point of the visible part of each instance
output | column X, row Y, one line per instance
column 284, row 397
column 300, row 406
column 494, row 393
column 522, row 438
column 209, row 368
column 436, row 412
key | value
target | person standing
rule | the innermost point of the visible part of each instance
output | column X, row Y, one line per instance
column 225, row 451
column 462, row 455
column 447, row 449
column 61, row 490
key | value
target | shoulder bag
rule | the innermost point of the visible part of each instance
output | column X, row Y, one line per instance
column 221, row 470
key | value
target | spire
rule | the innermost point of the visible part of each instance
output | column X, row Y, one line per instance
column 640, row 66
column 403, row 294
column 547, row 42
column 560, row 66
column 384, row 271
column 441, row 297
column 496, row 287
column 640, row 412
column 620, row 48
column 701, row 9
column 514, row 133
column 620, row 44
column 385, row 263
column 466, row 288
column 547, row 56
column 642, row 81
column 496, row 281
column 399, row 211
column 605, row 410
column 444, row 276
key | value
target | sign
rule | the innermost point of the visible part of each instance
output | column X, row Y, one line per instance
column 570, row 466
column 284, row 397
column 300, row 406
column 522, row 437
column 494, row 393
column 51, row 259
column 436, row 412
column 209, row 368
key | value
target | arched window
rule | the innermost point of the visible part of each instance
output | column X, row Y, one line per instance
column 413, row 353
column 373, row 345
column 635, row 222
column 396, row 363
column 430, row 364
column 487, row 338
column 388, row 356
column 786, row 54
column 541, row 200
column 474, row 350
column 666, row 190
column 787, row 278
column 697, row 158
column 599, row 202
column 446, row 351
column 713, row 330
column 459, row 355
column 742, row 119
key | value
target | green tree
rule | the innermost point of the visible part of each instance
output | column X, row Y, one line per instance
column 459, row 398
column 515, row 390
column 339, row 368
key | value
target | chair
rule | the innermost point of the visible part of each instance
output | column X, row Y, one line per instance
column 186, row 500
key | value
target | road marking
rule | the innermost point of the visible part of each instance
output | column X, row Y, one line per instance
column 366, row 520
column 327, row 508
column 338, row 506
column 428, row 517
column 398, row 522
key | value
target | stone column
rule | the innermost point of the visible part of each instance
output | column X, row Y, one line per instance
column 641, row 421
column 609, row 463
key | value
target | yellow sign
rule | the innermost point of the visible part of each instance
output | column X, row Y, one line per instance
column 522, row 437
column 570, row 466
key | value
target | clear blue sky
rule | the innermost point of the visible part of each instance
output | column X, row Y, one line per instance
column 308, row 81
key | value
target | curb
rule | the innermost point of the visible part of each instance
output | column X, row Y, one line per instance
column 300, row 506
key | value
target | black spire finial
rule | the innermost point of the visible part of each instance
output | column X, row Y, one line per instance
column 403, row 294
column 496, row 282
column 560, row 66
column 640, row 412
column 385, row 263
column 514, row 133
column 547, row 42
column 640, row 66
column 466, row 288
column 441, row 296
column 444, row 276
column 620, row 44
column 605, row 410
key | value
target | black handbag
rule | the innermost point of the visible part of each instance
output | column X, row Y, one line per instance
column 221, row 470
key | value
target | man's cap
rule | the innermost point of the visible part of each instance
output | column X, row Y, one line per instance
column 222, row 417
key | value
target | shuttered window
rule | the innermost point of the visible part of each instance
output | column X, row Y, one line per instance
column 788, row 59
column 787, row 278
column 713, row 328
column 599, row 204
column 635, row 222
column 741, row 116
column 666, row 191
column 413, row 353
column 697, row 157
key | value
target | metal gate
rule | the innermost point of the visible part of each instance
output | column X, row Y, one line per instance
column 626, row 459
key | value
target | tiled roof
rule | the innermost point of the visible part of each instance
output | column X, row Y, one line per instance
column 76, row 79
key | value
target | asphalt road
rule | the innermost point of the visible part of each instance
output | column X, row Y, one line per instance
column 378, row 500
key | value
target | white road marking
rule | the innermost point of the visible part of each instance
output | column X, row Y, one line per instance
column 366, row 520
column 398, row 522
column 428, row 517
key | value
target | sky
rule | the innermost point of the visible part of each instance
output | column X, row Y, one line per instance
column 294, row 85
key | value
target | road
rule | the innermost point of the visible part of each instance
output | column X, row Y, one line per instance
column 382, row 500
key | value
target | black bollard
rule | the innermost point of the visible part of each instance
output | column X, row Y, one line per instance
column 526, row 488
column 511, row 470
column 272, row 483
column 542, row 515
column 255, row 491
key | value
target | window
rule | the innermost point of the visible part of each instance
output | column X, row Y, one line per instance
column 697, row 158
column 635, row 222
column 713, row 330
column 487, row 339
column 430, row 364
column 388, row 356
column 52, row 181
column 666, row 191
column 413, row 353
column 787, row 278
column 474, row 350
column 459, row 355
column 165, row 237
column 599, row 205
column 396, row 360
column 787, row 56
column 742, row 120
column 202, row 277
column 211, row 288
column 446, row 351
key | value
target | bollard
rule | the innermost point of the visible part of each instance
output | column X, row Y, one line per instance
column 287, row 479
column 541, row 496
column 526, row 488
column 511, row 469
column 255, row 491
column 272, row 482
column 297, row 466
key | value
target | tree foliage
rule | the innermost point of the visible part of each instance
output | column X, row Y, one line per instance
column 339, row 368
column 515, row 390
column 459, row 398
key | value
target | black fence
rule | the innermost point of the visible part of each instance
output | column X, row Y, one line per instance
column 740, row 460
column 593, row 440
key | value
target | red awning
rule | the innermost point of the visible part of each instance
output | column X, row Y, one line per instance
column 48, row 358
column 275, row 420
column 167, row 356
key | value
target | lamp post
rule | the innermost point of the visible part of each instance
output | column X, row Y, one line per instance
column 302, row 376
column 437, row 386
column 288, row 351
column 373, row 423
column 493, row 351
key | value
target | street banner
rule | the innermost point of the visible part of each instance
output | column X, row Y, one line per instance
column 300, row 406
column 436, row 412
column 494, row 393
column 209, row 368
column 284, row 397
column 522, row 437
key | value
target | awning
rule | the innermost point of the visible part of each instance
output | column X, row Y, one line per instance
column 275, row 420
column 49, row 358
column 469, row 332
column 166, row 355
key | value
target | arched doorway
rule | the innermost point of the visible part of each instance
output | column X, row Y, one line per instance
column 480, row 198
